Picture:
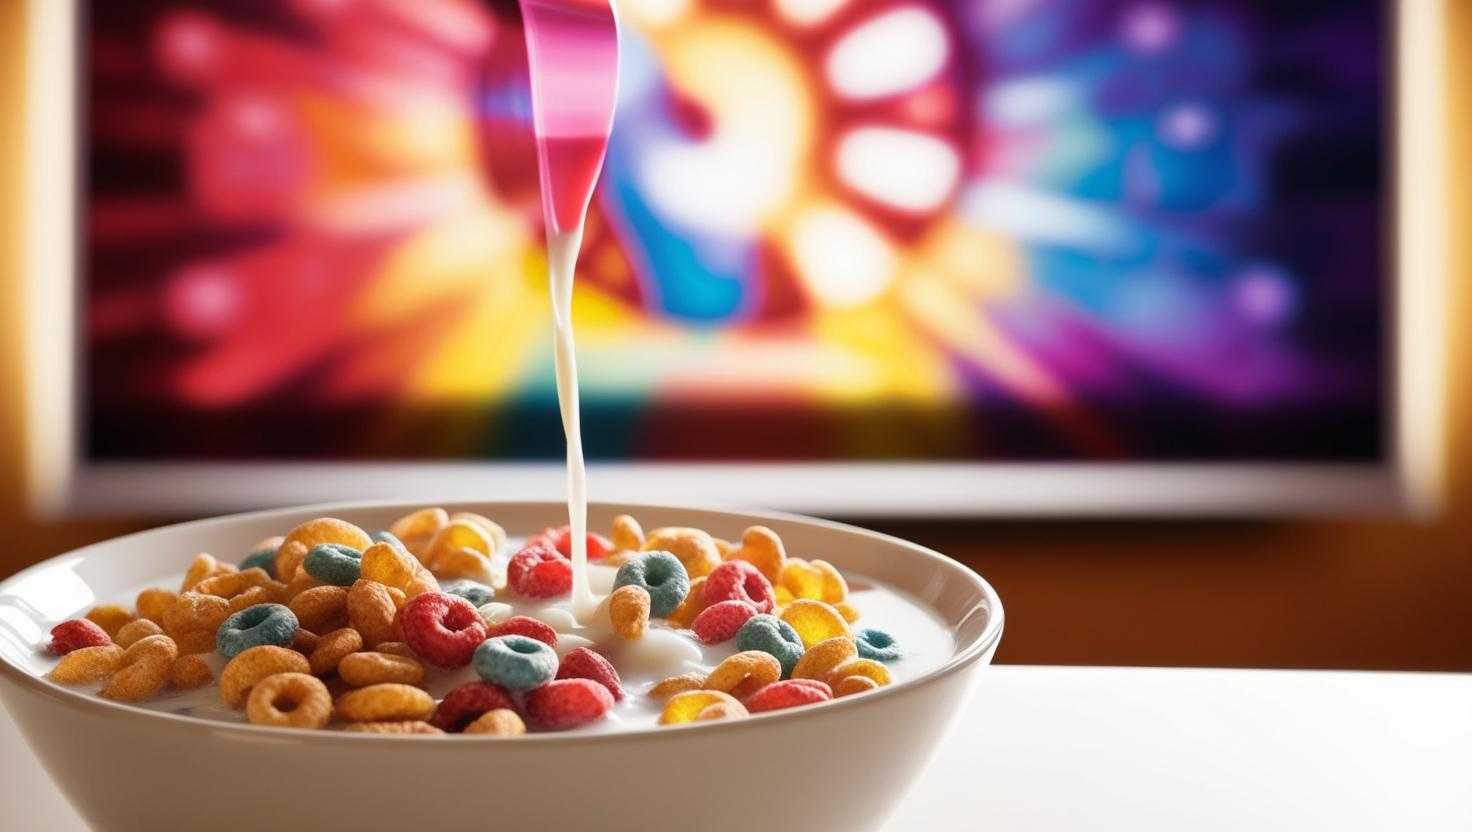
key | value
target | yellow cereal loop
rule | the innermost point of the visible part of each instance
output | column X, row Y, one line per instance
column 489, row 526
column 501, row 722
column 255, row 664
column 289, row 700
column 415, row 529
column 694, row 547
column 89, row 664
column 628, row 610
column 110, row 617
column 814, row 621
column 626, row 534
column 783, row 596
column 832, row 587
column 385, row 703
column 144, row 670
column 387, row 565
column 460, row 534
column 687, row 707
column 849, row 612
column 668, row 687
column 464, row 562
column 850, row 685
column 867, row 668
column 203, row 566
column 722, row 710
column 289, row 559
column 820, row 660
column 762, row 548
column 725, row 547
column 753, row 666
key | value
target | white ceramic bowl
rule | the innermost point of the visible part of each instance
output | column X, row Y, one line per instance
column 838, row 766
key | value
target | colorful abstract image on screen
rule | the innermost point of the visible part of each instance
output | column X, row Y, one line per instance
column 1127, row 230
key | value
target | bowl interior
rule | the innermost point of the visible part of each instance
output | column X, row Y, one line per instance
column 66, row 586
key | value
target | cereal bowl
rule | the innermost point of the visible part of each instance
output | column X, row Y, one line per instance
column 840, row 765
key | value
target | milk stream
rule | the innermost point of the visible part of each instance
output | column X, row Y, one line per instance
column 562, row 257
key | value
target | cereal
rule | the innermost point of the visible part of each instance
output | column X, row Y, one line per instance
column 560, row 539
column 385, row 703
column 264, row 559
column 821, row 659
column 722, row 710
column 687, row 707
column 332, row 648
column 75, row 635
column 539, row 571
column 444, row 630
column 411, row 726
column 135, row 630
column 501, row 722
column 521, row 625
column 849, row 612
column 334, row 563
column 567, row 703
column 252, row 627
column 672, row 685
column 305, row 642
column 144, row 670
column 582, row 663
column 788, row 694
column 202, row 567
column 289, row 560
column 662, row 575
column 87, row 664
column 772, row 635
column 321, row 608
column 877, row 645
column 255, row 664
column 866, row 668
column 190, row 672
column 720, row 622
column 194, row 612
column 475, row 592
column 153, row 603
column 110, row 617
column 194, row 642
column 626, row 534
column 762, row 548
column 693, row 605
column 372, row 612
column 393, row 567
column 491, row 527
column 463, row 563
column 737, row 580
column 816, row 580
column 467, row 703
column 232, row 584
column 397, row 648
column 628, row 610
column 751, row 666
column 289, row 700
column 454, row 536
column 298, row 584
column 516, row 663
column 849, row 685
column 360, row 669
column 416, row 529
column 249, row 598
column 315, row 532
column 695, row 548
column 814, row 621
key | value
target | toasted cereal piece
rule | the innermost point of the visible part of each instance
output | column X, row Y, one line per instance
column 193, row 611
column 814, row 621
column 694, row 547
column 190, row 672
column 721, row 710
column 87, row 664
column 501, row 722
column 153, row 603
column 397, row 648
column 822, row 658
column 693, row 605
column 867, row 668
column 628, row 610
column 136, row 629
column 371, row 611
column 385, row 703
column 255, row 596
column 370, row 668
column 110, row 617
column 194, row 642
column 416, row 529
column 762, row 548
column 332, row 648
column 204, row 566
column 231, row 584
column 489, row 526
column 751, row 665
column 626, row 534
column 413, row 726
column 255, row 664
column 288, row 565
column 289, row 700
column 687, row 707
column 144, row 670
column 685, row 682
column 315, row 532
column 850, row 685
column 322, row 608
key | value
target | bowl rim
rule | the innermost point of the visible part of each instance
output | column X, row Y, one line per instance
column 90, row 702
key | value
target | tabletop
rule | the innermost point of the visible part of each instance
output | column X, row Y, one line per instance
column 1064, row 748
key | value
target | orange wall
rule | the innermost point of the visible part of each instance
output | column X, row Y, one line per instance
column 1363, row 593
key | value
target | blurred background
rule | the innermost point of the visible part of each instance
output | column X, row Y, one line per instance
column 1057, row 231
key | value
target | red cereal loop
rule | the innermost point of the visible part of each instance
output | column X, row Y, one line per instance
column 598, row 545
column 567, row 703
column 442, row 629
column 538, row 571
column 582, row 663
column 719, row 622
column 467, row 703
column 788, row 694
column 737, row 580
column 76, row 634
column 520, row 625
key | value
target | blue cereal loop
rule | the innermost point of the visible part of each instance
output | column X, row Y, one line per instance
column 661, row 575
column 773, row 636
column 473, row 591
column 334, row 563
column 262, row 559
column 514, row 662
column 877, row 645
column 255, row 626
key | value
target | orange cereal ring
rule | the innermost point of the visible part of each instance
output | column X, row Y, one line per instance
column 232, row 584
column 88, row 664
column 722, row 710
column 677, row 684
column 397, row 648
column 626, row 534
column 203, row 566
column 332, row 648
column 849, row 612
column 289, row 700
column 849, row 685
column 194, row 641
column 193, row 612
column 144, row 670
column 134, row 630
column 501, row 722
column 385, row 703
column 687, row 707
column 384, row 563
column 153, row 603
column 190, row 672
column 820, row 660
column 110, row 617
column 491, row 527
column 463, row 563
column 371, row 611
column 458, row 534
column 301, row 583
column 867, row 668
column 694, row 547
column 414, row 530
column 363, row 669
column 321, row 608
column 832, row 587
column 725, row 547
column 628, row 610
column 249, row 598
column 255, row 664
column 762, row 548
column 752, row 666
column 327, row 530
column 289, row 560
column 305, row 641
column 414, row 726
column 693, row 605
column 814, row 621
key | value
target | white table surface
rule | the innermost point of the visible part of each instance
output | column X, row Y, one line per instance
column 1045, row 748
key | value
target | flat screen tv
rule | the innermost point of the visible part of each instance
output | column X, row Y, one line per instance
column 846, row 256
